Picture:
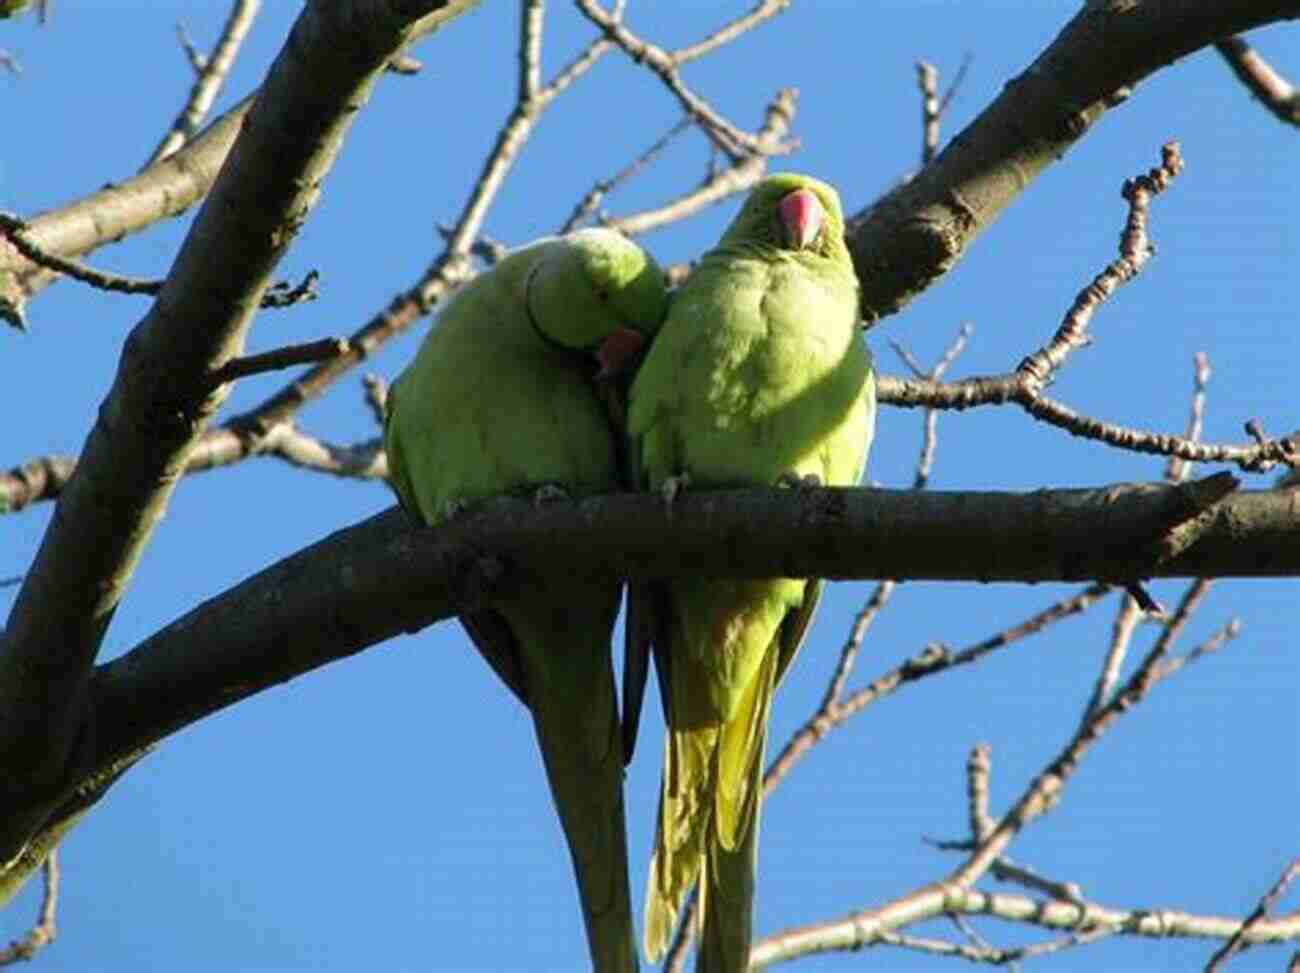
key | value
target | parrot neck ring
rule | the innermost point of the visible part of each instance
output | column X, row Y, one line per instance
column 573, row 352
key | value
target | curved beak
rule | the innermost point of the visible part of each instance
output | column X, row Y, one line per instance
column 802, row 217
column 618, row 351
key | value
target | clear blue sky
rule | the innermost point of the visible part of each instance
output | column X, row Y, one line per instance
column 389, row 812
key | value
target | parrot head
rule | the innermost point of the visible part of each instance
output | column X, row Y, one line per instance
column 600, row 293
column 791, row 212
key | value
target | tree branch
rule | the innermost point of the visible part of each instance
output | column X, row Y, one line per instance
column 211, row 76
column 906, row 240
column 166, row 189
column 159, row 403
column 1275, row 92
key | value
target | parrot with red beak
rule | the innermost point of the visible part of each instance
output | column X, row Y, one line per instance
column 502, row 397
column 758, row 377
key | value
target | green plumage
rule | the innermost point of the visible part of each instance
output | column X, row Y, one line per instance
column 759, row 372
column 501, row 398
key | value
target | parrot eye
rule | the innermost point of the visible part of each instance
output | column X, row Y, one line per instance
column 602, row 295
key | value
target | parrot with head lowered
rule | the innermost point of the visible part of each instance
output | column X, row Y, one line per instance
column 759, row 376
column 502, row 397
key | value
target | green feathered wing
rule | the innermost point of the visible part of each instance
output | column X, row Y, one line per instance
column 501, row 398
column 758, row 372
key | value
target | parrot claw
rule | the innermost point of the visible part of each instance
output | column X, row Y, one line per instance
column 451, row 509
column 672, row 486
column 809, row 481
column 549, row 493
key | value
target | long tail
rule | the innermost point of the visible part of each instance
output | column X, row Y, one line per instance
column 581, row 744
column 708, row 831
column 685, row 803
column 731, row 854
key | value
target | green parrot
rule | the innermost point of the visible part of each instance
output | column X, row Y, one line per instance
column 502, row 397
column 758, row 377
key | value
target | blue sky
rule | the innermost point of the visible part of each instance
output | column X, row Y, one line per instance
column 389, row 812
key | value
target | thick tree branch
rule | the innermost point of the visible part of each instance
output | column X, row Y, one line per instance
column 905, row 241
column 159, row 403
column 383, row 576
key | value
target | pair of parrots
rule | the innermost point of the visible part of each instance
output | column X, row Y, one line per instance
column 755, row 375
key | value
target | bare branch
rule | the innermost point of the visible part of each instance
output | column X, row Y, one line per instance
column 1135, row 249
column 286, row 357
column 734, row 142
column 763, row 11
column 904, row 242
column 1275, row 92
column 1045, row 792
column 146, row 427
column 1023, row 387
column 725, row 181
column 927, row 79
column 211, row 77
column 376, row 396
column 1179, row 469
column 118, row 210
column 532, row 17
column 45, row 930
column 1088, row 920
column 198, row 60
column 1126, row 620
column 1239, row 940
column 279, row 294
column 596, row 195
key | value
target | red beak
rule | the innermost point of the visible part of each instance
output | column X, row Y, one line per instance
column 802, row 216
column 617, row 351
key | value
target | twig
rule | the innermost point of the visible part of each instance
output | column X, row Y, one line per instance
column 927, row 79
column 405, row 64
column 1024, row 386
column 978, row 765
column 10, row 582
column 1238, row 941
column 727, row 137
column 284, row 294
column 1276, row 93
column 1178, row 470
column 43, row 933
column 985, row 953
column 1126, row 619
column 725, row 181
column 930, row 424
column 956, row 83
column 491, row 251
column 1135, row 250
column 286, row 357
column 586, row 206
column 529, row 106
column 1229, row 631
column 376, row 396
column 13, row 229
column 279, row 294
column 763, row 11
column 1044, row 793
column 198, row 60
column 211, row 75
column 1086, row 920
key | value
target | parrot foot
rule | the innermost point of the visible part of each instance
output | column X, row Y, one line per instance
column 672, row 486
column 549, row 493
column 809, row 481
column 451, row 509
